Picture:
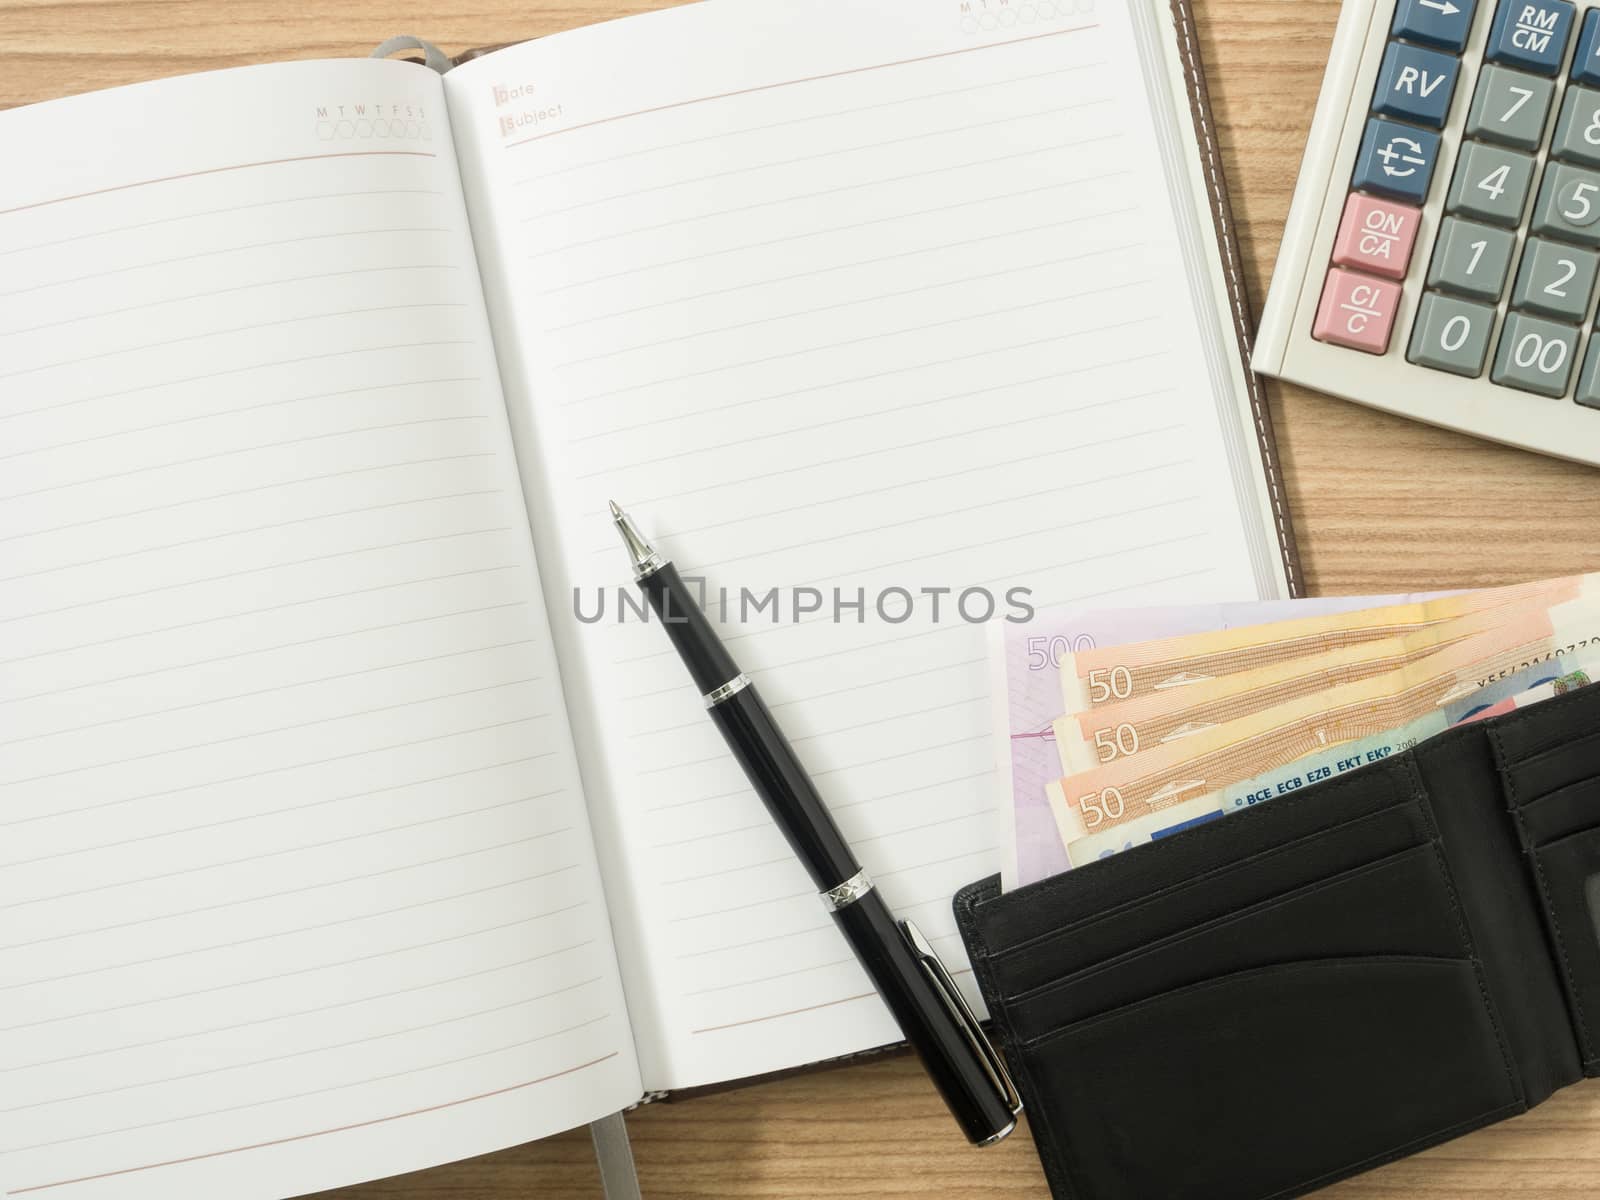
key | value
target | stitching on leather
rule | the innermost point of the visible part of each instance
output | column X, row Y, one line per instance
column 1402, row 1151
column 1586, row 1043
column 1258, row 401
column 1463, row 930
column 1057, row 1164
column 1178, row 887
column 1207, row 985
column 1047, row 889
column 1224, row 920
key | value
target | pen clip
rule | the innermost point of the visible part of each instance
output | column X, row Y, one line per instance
column 939, row 976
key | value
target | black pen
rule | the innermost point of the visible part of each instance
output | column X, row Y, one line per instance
column 901, row 963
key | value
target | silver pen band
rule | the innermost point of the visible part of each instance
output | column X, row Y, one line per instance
column 732, row 688
column 847, row 893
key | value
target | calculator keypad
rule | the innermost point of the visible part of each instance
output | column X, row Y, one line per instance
column 1506, row 284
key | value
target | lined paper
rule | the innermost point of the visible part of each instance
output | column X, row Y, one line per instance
column 298, row 886
column 888, row 299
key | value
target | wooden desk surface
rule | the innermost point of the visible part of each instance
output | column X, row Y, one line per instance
column 1380, row 505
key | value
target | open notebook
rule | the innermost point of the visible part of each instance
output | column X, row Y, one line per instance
column 333, row 843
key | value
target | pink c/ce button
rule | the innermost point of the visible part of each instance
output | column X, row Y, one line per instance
column 1356, row 311
column 1376, row 236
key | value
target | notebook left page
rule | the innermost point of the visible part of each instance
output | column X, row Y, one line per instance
column 296, row 880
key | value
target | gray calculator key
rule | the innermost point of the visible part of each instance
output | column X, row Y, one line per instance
column 1555, row 280
column 1509, row 106
column 1451, row 335
column 1569, row 204
column 1491, row 183
column 1577, row 135
column 1589, row 377
column 1471, row 259
column 1535, row 355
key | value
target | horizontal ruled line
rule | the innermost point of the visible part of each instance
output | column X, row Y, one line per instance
column 312, row 641
column 243, row 571
column 361, row 1041
column 1022, row 231
column 271, row 162
column 805, row 158
column 300, row 1012
column 239, row 370
column 546, row 176
column 302, row 889
column 266, row 691
column 260, row 487
column 316, row 1091
column 251, row 449
column 282, row 933
column 189, row 787
column 223, row 414
column 248, row 529
column 256, row 612
column 167, row 262
column 822, row 308
column 299, row 1137
column 766, row 87
column 253, row 327
column 329, row 719
column 216, row 212
column 792, row 237
column 265, row 814
column 277, row 976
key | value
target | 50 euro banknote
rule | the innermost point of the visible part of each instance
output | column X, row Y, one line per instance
column 1107, row 674
column 1255, row 758
column 1331, row 762
column 1026, row 698
column 1107, row 732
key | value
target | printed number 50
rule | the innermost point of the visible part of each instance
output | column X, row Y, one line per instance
column 1110, row 683
column 1124, row 739
column 1097, row 807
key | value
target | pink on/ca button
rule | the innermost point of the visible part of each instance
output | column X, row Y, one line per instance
column 1376, row 235
column 1356, row 311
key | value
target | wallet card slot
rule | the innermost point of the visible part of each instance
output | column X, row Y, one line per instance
column 1017, row 919
column 1397, row 905
column 1227, row 888
column 1555, row 767
column 1567, row 810
column 1568, row 873
column 1271, row 1080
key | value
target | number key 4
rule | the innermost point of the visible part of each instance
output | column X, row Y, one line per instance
column 1491, row 183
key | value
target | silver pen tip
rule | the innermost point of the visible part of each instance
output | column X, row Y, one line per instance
column 641, row 553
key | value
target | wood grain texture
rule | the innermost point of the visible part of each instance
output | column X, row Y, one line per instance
column 1379, row 505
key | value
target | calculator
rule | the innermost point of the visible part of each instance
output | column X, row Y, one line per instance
column 1441, row 254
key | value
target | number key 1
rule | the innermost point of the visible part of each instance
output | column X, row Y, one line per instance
column 1471, row 259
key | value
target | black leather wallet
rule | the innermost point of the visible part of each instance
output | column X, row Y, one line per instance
column 1337, row 978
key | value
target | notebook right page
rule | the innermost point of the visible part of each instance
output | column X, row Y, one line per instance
column 876, row 316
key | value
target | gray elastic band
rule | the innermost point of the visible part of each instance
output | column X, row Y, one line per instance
column 618, row 1179
column 432, row 56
